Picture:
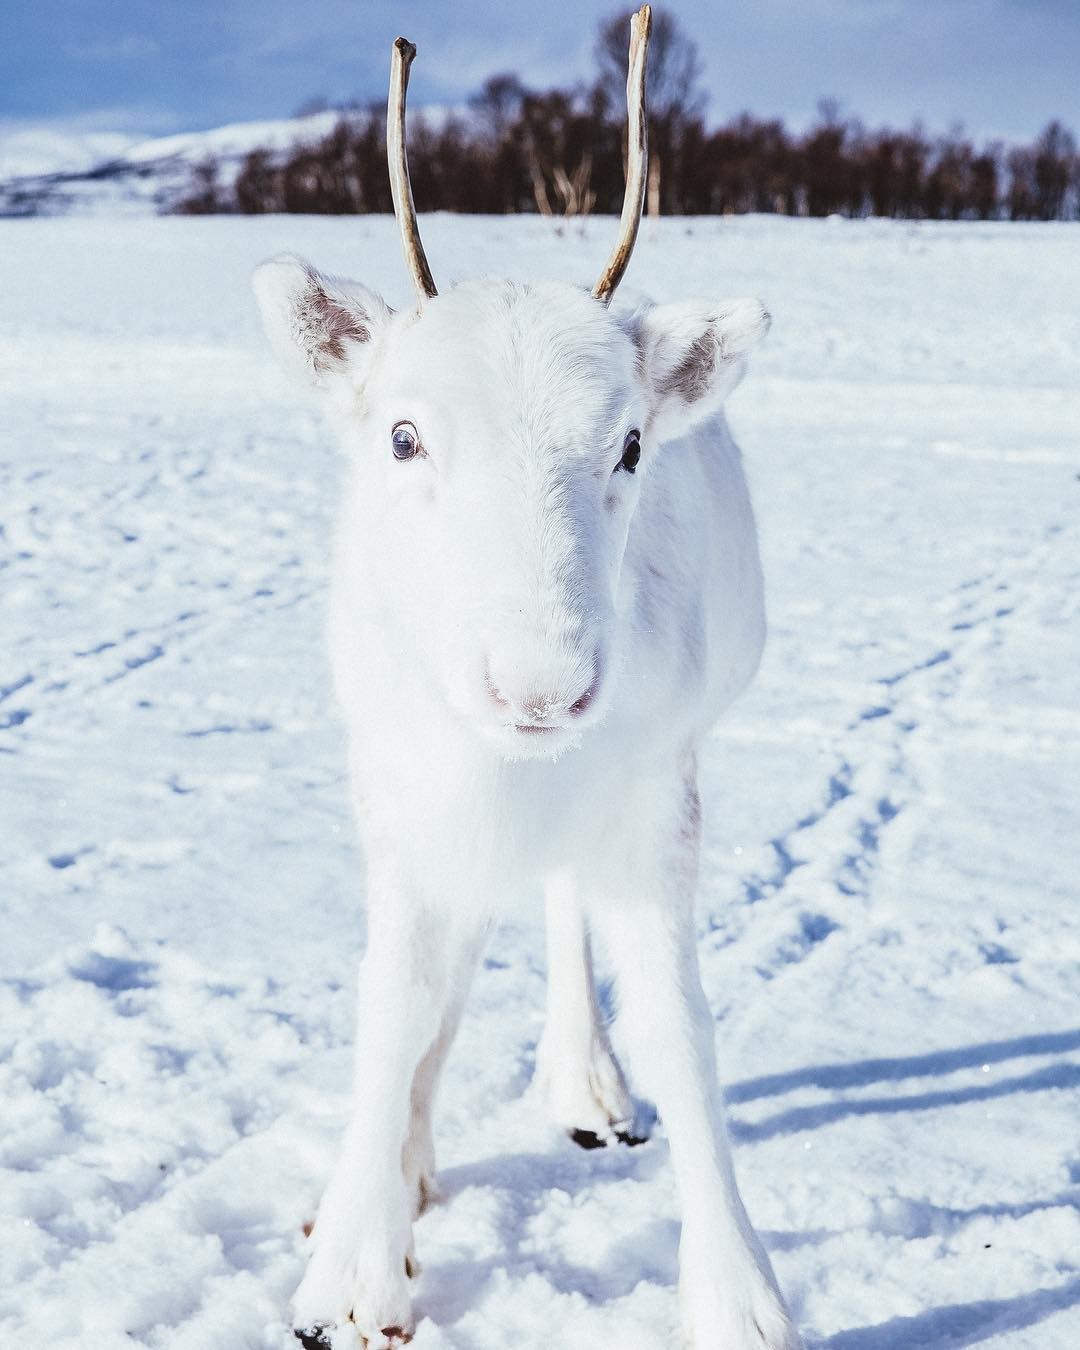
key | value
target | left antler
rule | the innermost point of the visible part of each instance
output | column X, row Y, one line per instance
column 400, row 187
column 637, row 157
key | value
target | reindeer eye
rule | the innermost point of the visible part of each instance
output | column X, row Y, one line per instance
column 631, row 451
column 405, row 441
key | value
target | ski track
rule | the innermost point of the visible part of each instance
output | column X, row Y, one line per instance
column 888, row 911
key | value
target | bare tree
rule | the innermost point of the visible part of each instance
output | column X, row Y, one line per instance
column 674, row 95
column 1053, row 169
column 673, row 83
column 830, row 163
column 258, row 184
column 498, row 104
column 205, row 197
column 557, row 134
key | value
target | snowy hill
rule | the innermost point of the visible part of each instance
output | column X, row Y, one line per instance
column 889, row 927
column 45, row 172
column 37, row 151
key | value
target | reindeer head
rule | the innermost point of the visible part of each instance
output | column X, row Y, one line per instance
column 502, row 436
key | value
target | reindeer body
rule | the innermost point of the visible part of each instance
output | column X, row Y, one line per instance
column 546, row 588
column 536, row 616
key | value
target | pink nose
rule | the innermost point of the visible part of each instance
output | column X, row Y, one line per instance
column 539, row 708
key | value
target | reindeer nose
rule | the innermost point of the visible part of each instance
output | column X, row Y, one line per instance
column 582, row 703
column 536, row 707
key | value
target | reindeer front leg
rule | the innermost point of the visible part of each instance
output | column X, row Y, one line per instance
column 576, row 1069
column 418, row 1155
column 362, row 1239
column 729, row 1295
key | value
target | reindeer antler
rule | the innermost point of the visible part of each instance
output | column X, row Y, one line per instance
column 637, row 157
column 400, row 187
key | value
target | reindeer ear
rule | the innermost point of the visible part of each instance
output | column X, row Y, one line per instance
column 694, row 354
column 318, row 326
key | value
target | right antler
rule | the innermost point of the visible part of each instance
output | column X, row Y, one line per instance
column 637, row 157
column 400, row 187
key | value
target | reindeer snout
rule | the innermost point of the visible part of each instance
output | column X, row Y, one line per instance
column 536, row 703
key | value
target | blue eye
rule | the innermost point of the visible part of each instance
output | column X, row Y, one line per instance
column 405, row 441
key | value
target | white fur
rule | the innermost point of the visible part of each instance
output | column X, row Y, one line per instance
column 484, row 586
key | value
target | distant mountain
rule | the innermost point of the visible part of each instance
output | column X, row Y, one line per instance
column 46, row 172
column 32, row 151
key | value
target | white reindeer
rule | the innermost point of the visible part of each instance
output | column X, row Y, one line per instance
column 546, row 588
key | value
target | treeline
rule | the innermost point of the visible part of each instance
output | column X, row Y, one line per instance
column 558, row 160
column 560, row 152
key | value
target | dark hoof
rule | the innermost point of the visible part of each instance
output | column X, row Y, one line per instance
column 311, row 1338
column 629, row 1139
column 587, row 1139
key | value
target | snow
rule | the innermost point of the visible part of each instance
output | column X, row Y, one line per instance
column 32, row 149
column 236, row 139
column 889, row 922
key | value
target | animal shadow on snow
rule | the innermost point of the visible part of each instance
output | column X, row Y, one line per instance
column 523, row 1183
column 863, row 1073
column 953, row 1325
column 960, row 1324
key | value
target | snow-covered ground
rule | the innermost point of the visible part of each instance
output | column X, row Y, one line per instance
column 889, row 913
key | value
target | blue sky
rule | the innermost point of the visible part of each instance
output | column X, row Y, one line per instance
column 1002, row 67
